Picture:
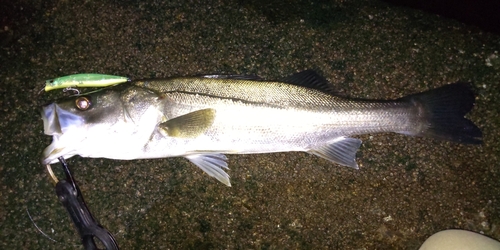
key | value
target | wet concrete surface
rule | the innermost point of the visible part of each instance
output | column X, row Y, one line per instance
column 405, row 190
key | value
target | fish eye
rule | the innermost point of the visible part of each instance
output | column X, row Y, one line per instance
column 83, row 103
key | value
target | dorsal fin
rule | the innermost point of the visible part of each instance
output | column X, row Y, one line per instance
column 236, row 77
column 310, row 79
column 307, row 78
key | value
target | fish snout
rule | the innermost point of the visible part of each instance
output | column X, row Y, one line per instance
column 50, row 122
column 57, row 120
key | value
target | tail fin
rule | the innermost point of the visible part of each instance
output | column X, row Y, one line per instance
column 444, row 109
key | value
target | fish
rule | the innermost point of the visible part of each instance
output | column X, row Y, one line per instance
column 203, row 118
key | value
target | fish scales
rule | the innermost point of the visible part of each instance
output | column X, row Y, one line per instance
column 202, row 118
column 329, row 110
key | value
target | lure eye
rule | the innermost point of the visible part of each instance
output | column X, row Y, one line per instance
column 83, row 103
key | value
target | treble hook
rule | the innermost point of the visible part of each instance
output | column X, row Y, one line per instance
column 71, row 89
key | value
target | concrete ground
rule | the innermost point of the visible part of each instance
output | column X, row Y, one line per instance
column 405, row 190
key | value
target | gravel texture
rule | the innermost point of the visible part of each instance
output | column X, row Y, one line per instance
column 406, row 189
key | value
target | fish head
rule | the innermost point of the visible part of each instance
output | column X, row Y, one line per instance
column 99, row 124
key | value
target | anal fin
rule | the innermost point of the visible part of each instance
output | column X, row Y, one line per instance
column 212, row 164
column 341, row 151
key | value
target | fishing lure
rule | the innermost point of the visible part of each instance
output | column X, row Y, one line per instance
column 84, row 80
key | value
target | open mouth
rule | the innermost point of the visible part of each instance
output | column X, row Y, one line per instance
column 58, row 122
column 51, row 124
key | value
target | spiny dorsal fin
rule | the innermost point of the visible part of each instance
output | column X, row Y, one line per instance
column 235, row 77
column 307, row 78
column 189, row 125
column 310, row 79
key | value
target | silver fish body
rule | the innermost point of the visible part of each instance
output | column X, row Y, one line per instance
column 203, row 118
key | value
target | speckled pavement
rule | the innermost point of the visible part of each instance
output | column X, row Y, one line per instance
column 405, row 190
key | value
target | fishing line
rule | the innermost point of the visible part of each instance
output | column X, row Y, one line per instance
column 39, row 230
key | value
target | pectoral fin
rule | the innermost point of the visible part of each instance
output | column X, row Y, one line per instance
column 342, row 151
column 189, row 125
column 213, row 165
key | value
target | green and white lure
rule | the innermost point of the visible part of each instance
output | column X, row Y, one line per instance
column 84, row 81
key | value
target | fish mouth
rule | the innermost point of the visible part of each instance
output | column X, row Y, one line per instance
column 60, row 124
column 51, row 124
column 57, row 121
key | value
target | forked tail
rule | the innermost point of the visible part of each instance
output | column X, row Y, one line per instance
column 442, row 111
